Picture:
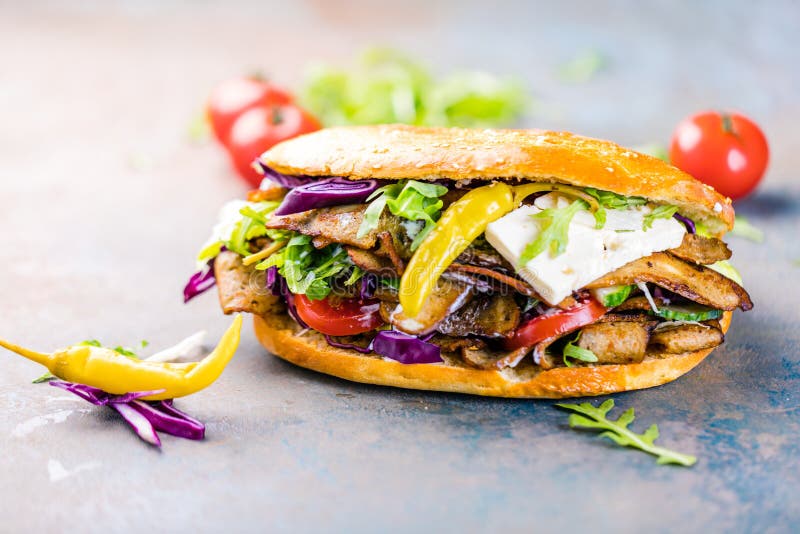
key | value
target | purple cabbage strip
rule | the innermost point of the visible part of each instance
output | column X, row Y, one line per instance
column 405, row 348
column 687, row 222
column 169, row 422
column 333, row 343
column 145, row 417
column 369, row 284
column 272, row 281
column 200, row 282
column 284, row 180
column 327, row 192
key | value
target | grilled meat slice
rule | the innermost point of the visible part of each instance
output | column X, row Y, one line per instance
column 617, row 341
column 515, row 283
column 687, row 337
column 339, row 224
column 485, row 315
column 483, row 358
column 639, row 303
column 547, row 361
column 371, row 262
column 241, row 288
column 694, row 282
column 445, row 299
column 484, row 256
column 701, row 250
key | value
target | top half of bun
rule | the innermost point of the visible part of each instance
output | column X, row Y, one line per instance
column 401, row 152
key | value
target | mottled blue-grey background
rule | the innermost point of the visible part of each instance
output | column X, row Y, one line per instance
column 104, row 199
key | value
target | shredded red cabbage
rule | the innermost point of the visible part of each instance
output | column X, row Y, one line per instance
column 369, row 284
column 327, row 192
column 687, row 222
column 405, row 348
column 333, row 343
column 144, row 417
column 200, row 282
column 276, row 284
column 284, row 180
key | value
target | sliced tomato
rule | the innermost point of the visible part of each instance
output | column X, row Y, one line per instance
column 552, row 324
column 338, row 316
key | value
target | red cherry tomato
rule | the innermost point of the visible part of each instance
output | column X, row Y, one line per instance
column 258, row 129
column 233, row 97
column 727, row 151
column 338, row 316
column 558, row 322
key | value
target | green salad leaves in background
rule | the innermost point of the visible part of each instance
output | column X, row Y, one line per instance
column 386, row 86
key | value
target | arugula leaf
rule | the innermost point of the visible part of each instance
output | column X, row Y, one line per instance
column 411, row 200
column 388, row 87
column 392, row 283
column 310, row 271
column 613, row 201
column 554, row 231
column 743, row 228
column 589, row 416
column 572, row 351
column 47, row 377
column 659, row 212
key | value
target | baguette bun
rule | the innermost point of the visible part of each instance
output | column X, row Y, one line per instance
column 395, row 152
column 280, row 335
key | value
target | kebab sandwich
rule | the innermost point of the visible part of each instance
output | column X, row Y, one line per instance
column 512, row 263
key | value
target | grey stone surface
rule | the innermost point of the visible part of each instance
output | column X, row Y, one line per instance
column 104, row 200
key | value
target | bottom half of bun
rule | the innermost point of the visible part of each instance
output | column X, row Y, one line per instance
column 280, row 335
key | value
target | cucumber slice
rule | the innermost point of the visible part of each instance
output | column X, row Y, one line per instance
column 611, row 296
column 687, row 312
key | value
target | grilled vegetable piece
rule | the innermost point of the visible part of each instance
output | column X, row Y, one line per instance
column 612, row 296
column 446, row 298
column 694, row 282
column 688, row 312
column 490, row 316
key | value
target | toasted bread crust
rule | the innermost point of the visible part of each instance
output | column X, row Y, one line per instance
column 399, row 152
column 281, row 336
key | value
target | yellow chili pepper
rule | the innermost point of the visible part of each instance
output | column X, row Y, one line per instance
column 117, row 374
column 459, row 225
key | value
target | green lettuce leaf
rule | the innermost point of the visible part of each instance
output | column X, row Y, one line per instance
column 574, row 352
column 744, row 229
column 411, row 200
column 659, row 212
column 310, row 271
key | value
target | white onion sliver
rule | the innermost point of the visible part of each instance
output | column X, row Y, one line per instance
column 139, row 423
column 183, row 348
column 643, row 287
